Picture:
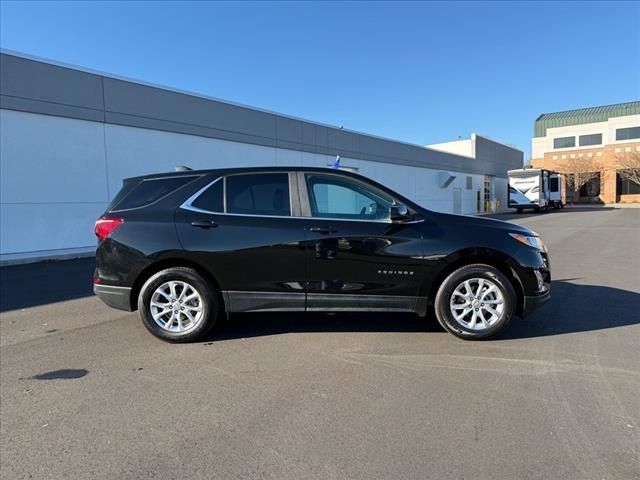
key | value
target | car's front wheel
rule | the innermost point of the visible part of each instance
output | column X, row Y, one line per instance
column 178, row 305
column 475, row 302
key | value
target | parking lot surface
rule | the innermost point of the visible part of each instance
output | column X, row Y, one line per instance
column 86, row 392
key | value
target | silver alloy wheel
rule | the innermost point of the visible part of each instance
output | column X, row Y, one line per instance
column 477, row 304
column 176, row 306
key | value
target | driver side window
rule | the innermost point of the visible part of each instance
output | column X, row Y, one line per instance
column 333, row 196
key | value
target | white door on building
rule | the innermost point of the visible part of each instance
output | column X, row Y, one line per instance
column 457, row 200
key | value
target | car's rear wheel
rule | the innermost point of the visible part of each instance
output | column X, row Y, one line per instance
column 177, row 304
column 475, row 302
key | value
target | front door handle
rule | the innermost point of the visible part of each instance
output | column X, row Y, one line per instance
column 204, row 224
column 323, row 230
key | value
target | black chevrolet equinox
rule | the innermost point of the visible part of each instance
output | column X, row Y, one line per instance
column 186, row 247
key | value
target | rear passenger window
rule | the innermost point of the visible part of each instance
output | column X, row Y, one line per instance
column 258, row 194
column 148, row 191
column 211, row 199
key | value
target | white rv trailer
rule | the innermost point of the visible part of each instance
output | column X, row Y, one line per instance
column 536, row 188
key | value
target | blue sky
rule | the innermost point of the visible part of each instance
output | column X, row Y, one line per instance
column 418, row 72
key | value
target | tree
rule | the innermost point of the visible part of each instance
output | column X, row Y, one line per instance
column 579, row 172
column 629, row 166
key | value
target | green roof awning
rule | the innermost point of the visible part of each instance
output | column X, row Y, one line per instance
column 583, row 115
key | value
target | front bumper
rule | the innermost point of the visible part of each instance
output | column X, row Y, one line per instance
column 116, row 297
column 532, row 303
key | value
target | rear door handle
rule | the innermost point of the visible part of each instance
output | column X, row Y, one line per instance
column 323, row 230
column 204, row 224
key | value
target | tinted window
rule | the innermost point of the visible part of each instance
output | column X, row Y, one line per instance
column 627, row 133
column 259, row 194
column 593, row 139
column 148, row 191
column 564, row 142
column 211, row 198
column 626, row 186
column 332, row 196
column 553, row 184
column 591, row 188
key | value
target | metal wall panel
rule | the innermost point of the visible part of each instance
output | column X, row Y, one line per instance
column 29, row 79
column 39, row 87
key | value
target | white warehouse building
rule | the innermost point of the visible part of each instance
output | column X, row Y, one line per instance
column 68, row 136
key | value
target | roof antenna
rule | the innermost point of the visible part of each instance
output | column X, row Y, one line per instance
column 182, row 168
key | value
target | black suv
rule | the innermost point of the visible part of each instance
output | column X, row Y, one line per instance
column 185, row 247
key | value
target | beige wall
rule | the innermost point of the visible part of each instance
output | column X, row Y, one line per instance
column 540, row 146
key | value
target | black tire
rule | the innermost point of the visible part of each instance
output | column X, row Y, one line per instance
column 475, row 271
column 561, row 205
column 209, row 301
column 519, row 210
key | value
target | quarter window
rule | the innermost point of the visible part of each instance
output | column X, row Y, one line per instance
column 592, row 139
column 331, row 196
column 627, row 133
column 564, row 142
column 211, row 199
column 148, row 191
column 258, row 194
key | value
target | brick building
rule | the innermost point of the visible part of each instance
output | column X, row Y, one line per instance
column 599, row 139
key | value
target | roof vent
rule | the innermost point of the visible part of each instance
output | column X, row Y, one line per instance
column 445, row 179
column 182, row 168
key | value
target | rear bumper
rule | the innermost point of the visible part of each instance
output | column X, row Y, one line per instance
column 116, row 297
column 532, row 303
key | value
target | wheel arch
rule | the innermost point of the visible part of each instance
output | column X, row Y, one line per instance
column 486, row 256
column 165, row 263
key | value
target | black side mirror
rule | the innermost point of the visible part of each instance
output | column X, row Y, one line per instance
column 398, row 212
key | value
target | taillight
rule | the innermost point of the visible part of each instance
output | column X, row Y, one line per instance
column 106, row 225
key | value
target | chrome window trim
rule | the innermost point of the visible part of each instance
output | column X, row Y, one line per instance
column 187, row 205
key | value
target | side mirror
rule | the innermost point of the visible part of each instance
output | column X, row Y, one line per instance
column 398, row 212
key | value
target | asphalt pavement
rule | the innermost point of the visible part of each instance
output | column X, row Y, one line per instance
column 87, row 393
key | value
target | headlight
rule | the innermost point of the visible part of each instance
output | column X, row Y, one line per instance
column 531, row 241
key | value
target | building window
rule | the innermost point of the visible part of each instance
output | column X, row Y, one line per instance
column 564, row 142
column 592, row 139
column 627, row 133
column 469, row 183
column 626, row 186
